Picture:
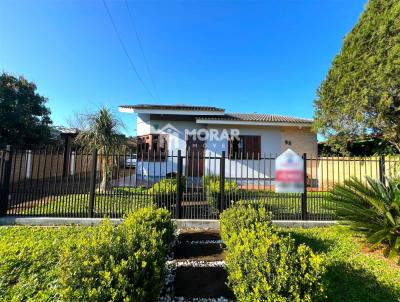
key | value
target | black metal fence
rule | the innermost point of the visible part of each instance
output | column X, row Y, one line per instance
column 78, row 183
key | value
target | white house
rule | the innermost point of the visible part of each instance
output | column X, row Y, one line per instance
column 205, row 132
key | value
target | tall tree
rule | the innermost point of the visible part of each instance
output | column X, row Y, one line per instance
column 100, row 130
column 361, row 93
column 24, row 118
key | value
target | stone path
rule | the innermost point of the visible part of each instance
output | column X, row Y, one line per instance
column 198, row 268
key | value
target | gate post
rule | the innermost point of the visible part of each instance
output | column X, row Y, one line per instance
column 178, row 208
column 304, row 212
column 6, row 179
column 221, row 201
column 92, row 188
column 382, row 169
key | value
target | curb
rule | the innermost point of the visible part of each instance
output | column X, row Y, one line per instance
column 180, row 223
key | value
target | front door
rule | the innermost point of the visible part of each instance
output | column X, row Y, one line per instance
column 195, row 156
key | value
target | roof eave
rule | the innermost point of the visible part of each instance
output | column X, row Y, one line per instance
column 170, row 112
column 253, row 123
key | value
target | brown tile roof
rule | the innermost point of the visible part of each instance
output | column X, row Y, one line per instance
column 173, row 107
column 256, row 117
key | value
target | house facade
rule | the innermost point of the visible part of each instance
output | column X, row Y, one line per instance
column 202, row 134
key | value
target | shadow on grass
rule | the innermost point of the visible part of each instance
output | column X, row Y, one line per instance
column 317, row 245
column 344, row 283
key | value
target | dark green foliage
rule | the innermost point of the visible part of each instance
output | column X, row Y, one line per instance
column 101, row 132
column 361, row 93
column 24, row 118
column 265, row 266
column 372, row 208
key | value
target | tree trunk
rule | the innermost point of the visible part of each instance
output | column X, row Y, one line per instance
column 106, row 177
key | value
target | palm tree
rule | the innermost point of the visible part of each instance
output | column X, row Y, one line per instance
column 372, row 208
column 101, row 132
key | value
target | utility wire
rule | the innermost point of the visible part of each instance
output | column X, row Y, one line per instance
column 142, row 50
column 125, row 49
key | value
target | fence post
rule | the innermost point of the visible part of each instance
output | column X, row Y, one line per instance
column 5, row 184
column 222, row 182
column 382, row 168
column 178, row 208
column 92, row 188
column 304, row 213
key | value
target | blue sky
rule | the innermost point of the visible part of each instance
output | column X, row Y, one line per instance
column 245, row 56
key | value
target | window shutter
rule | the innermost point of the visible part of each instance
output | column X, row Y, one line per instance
column 248, row 146
column 257, row 146
column 252, row 146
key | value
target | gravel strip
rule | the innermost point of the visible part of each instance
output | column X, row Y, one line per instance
column 202, row 242
column 182, row 299
column 195, row 263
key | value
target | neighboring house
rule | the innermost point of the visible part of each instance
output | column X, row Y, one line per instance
column 205, row 132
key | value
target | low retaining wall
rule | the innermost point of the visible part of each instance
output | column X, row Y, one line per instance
column 181, row 223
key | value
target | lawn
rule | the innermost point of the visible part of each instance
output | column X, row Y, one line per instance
column 354, row 273
column 122, row 200
column 115, row 203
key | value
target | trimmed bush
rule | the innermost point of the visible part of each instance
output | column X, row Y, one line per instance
column 212, row 189
column 158, row 219
column 164, row 191
column 212, row 184
column 243, row 216
column 262, row 266
column 123, row 263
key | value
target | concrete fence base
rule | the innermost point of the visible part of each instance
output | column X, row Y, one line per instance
column 180, row 223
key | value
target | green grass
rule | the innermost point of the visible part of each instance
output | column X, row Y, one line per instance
column 116, row 203
column 125, row 199
column 289, row 205
column 351, row 274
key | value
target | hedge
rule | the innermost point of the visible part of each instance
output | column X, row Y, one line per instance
column 265, row 266
column 29, row 257
column 124, row 263
column 243, row 216
column 103, row 263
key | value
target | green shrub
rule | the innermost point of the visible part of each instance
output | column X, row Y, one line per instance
column 262, row 266
column 212, row 184
column 160, row 219
column 123, row 263
column 165, row 190
column 372, row 208
column 243, row 216
column 164, row 186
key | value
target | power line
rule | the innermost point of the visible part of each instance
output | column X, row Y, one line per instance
column 142, row 50
column 125, row 49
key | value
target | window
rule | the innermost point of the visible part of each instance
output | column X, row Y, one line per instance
column 152, row 146
column 244, row 146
